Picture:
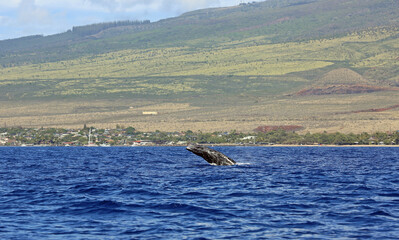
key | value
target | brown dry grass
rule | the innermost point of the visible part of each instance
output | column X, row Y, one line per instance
column 315, row 113
column 342, row 76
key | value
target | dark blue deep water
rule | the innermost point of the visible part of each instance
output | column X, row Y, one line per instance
column 169, row 193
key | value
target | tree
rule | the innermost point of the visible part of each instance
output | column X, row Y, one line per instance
column 340, row 139
column 130, row 130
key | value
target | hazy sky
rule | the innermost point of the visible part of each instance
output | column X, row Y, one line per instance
column 27, row 17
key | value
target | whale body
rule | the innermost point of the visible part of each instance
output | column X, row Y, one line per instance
column 211, row 156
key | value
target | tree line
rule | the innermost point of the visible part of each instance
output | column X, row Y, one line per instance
column 122, row 135
column 98, row 27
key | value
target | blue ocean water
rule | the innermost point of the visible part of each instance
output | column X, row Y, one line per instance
column 169, row 193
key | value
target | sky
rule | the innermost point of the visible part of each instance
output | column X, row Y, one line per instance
column 30, row 17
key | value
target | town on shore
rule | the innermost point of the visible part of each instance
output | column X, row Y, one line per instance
column 129, row 136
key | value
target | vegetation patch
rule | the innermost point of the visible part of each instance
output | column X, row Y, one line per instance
column 127, row 136
column 343, row 89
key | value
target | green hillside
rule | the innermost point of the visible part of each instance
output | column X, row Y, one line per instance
column 229, row 68
column 265, row 50
column 274, row 21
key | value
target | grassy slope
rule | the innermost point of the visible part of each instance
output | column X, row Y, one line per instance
column 220, row 61
column 274, row 20
column 229, row 68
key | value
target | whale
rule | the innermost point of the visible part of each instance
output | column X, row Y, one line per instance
column 212, row 156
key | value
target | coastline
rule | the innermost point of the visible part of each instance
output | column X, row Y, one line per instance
column 294, row 145
column 223, row 145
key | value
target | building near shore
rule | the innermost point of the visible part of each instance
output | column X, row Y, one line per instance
column 150, row 113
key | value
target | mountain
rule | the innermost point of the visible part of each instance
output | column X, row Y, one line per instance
column 274, row 20
column 343, row 81
column 212, row 60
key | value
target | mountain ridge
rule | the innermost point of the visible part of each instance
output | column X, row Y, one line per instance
column 214, row 22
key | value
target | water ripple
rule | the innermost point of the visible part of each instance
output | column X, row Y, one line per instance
column 168, row 193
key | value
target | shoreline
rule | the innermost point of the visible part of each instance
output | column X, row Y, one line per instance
column 221, row 145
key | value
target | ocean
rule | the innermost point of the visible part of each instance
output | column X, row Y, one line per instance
column 170, row 193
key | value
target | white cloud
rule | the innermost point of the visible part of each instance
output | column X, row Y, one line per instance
column 67, row 5
column 29, row 13
column 9, row 4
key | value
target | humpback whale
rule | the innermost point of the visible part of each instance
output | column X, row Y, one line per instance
column 211, row 156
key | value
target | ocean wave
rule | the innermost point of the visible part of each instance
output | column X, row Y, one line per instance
column 162, row 193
